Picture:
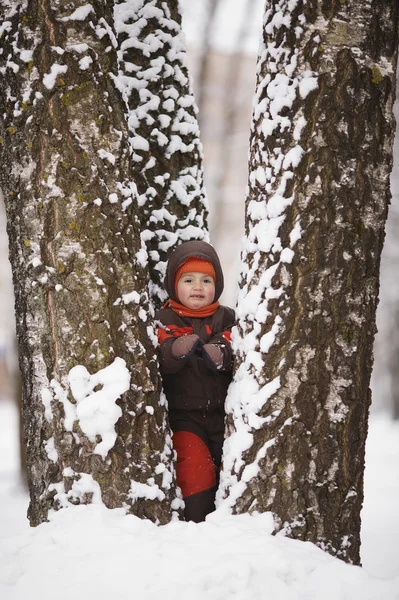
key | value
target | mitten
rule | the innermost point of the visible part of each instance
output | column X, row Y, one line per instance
column 213, row 354
column 184, row 345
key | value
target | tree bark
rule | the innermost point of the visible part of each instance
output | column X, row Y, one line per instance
column 95, row 427
column 163, row 130
column 205, row 54
column 320, row 158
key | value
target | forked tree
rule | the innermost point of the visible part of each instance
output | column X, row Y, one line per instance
column 318, row 194
column 86, row 183
column 74, row 158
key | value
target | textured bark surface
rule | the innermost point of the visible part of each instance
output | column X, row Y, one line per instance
column 77, row 260
column 164, row 132
column 320, row 158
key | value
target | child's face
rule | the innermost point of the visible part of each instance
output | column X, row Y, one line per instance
column 196, row 290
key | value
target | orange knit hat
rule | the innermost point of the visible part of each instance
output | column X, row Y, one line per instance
column 195, row 265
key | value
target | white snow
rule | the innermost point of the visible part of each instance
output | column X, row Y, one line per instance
column 105, row 155
column 26, row 55
column 97, row 411
column 308, row 84
column 141, row 490
column 79, row 14
column 139, row 143
column 51, row 450
column 79, row 48
column 85, row 63
column 89, row 552
column 131, row 297
column 83, row 485
column 49, row 79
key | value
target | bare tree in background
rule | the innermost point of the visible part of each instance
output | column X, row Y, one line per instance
column 74, row 215
column 385, row 377
column 389, row 329
column 320, row 158
column 225, row 75
column 205, row 53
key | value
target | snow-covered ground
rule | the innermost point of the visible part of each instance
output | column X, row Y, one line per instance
column 90, row 552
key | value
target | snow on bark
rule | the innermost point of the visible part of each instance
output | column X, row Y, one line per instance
column 95, row 424
column 163, row 129
column 318, row 190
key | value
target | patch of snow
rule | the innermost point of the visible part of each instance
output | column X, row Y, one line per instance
column 97, row 411
column 50, row 78
column 80, row 14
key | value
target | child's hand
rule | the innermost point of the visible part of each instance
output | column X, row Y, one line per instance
column 214, row 354
column 184, row 345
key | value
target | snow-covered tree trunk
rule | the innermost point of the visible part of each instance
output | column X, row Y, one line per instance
column 320, row 158
column 163, row 129
column 95, row 428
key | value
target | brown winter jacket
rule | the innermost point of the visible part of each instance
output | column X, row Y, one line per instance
column 192, row 382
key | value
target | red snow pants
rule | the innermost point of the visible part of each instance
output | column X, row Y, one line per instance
column 198, row 440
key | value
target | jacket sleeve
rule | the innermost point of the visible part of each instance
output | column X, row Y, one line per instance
column 167, row 335
column 223, row 341
column 168, row 363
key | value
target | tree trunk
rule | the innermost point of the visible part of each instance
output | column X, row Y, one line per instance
column 163, row 130
column 94, row 425
column 205, row 54
column 320, row 158
column 228, row 134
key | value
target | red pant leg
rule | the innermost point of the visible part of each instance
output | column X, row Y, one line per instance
column 195, row 467
column 196, row 475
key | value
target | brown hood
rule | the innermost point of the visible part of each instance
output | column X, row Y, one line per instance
column 178, row 257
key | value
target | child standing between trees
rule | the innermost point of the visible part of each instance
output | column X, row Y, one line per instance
column 196, row 367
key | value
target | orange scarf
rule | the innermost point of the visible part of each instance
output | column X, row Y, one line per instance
column 184, row 311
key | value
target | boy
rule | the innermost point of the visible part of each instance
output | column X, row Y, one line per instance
column 196, row 368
